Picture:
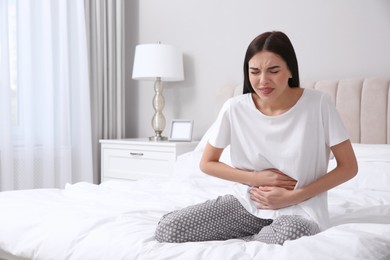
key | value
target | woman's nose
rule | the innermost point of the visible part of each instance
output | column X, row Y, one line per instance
column 263, row 78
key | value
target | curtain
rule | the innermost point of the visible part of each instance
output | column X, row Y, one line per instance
column 105, row 30
column 45, row 107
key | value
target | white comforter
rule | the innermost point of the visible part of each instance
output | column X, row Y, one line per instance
column 116, row 220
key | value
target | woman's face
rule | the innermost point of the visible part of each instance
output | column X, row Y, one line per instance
column 268, row 75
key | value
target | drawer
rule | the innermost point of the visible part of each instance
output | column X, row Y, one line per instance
column 136, row 164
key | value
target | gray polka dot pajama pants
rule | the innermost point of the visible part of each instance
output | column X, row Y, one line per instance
column 225, row 218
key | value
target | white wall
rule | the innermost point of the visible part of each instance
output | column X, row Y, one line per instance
column 333, row 40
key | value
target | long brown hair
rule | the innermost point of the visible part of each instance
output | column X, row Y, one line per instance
column 278, row 43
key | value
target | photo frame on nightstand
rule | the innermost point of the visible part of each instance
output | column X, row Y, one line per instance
column 181, row 130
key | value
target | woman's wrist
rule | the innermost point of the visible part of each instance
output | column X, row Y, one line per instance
column 297, row 196
column 253, row 179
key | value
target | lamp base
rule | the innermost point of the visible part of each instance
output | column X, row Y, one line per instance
column 157, row 138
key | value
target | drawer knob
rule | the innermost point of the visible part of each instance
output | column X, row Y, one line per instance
column 136, row 154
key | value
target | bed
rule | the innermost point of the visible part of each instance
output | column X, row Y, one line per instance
column 116, row 220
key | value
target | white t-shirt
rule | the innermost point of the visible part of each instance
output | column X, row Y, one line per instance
column 296, row 142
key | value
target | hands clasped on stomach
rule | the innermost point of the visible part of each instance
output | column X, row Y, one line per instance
column 275, row 191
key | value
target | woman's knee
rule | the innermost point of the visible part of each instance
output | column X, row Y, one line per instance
column 167, row 229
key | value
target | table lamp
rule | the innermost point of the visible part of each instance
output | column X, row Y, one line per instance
column 158, row 62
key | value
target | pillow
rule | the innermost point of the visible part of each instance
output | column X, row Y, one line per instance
column 372, row 152
column 207, row 135
column 225, row 156
column 374, row 168
column 202, row 143
column 187, row 165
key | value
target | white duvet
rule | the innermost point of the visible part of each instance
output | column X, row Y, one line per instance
column 116, row 220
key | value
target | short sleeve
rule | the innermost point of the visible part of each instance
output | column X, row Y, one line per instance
column 335, row 131
column 220, row 136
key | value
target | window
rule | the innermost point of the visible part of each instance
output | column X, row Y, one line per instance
column 12, row 23
column 12, row 55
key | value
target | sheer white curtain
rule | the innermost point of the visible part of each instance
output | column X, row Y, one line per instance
column 45, row 116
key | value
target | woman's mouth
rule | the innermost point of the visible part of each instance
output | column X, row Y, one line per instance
column 266, row 90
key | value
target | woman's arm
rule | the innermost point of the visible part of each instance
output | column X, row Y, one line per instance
column 211, row 165
column 274, row 198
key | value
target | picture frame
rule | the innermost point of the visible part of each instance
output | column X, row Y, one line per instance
column 181, row 130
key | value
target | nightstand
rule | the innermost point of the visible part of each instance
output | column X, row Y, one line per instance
column 134, row 159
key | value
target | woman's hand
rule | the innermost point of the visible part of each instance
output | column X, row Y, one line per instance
column 274, row 190
column 276, row 197
column 271, row 197
column 274, row 177
column 211, row 165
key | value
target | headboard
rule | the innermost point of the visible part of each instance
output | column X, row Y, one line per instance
column 362, row 103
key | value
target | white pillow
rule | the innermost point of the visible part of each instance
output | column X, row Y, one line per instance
column 207, row 135
column 202, row 143
column 374, row 168
column 187, row 165
column 372, row 152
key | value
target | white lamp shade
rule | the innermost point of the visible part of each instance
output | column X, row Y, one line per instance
column 158, row 60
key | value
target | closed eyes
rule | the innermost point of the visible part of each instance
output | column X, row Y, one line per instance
column 272, row 70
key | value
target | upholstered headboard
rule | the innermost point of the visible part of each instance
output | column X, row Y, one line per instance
column 362, row 103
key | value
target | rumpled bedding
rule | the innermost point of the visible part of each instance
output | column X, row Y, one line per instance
column 116, row 219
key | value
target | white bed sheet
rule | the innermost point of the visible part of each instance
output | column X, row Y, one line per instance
column 116, row 220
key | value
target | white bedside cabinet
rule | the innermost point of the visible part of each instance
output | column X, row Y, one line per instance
column 134, row 159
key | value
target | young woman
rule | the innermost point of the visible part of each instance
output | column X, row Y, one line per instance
column 280, row 138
